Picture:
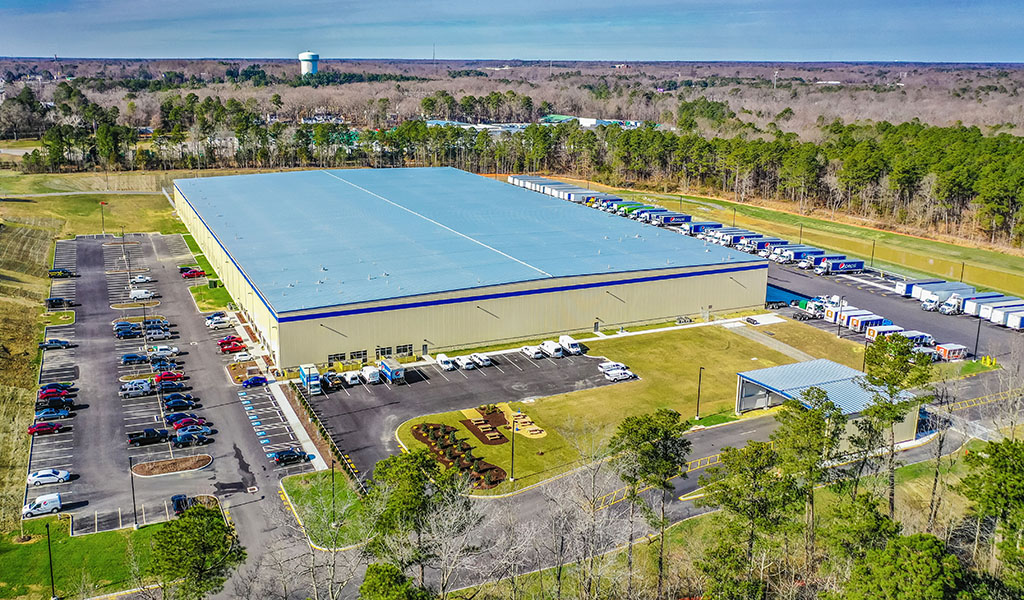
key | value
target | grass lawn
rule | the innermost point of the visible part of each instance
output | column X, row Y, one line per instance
column 81, row 214
column 13, row 182
column 94, row 564
column 63, row 317
column 191, row 242
column 205, row 265
column 210, row 299
column 667, row 363
column 310, row 494
column 903, row 253
column 816, row 342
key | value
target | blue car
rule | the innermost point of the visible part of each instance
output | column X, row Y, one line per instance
column 254, row 381
column 134, row 359
column 179, row 403
column 164, row 365
column 195, row 430
column 52, row 414
column 126, row 334
column 175, row 417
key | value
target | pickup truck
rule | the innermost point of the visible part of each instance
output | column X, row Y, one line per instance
column 54, row 344
column 147, row 437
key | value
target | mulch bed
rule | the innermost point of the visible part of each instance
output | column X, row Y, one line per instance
column 238, row 371
column 484, row 477
column 495, row 418
column 173, row 465
column 252, row 336
column 482, row 436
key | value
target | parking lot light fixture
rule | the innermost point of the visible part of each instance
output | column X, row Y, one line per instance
column 512, row 471
column 839, row 317
column 49, row 553
column 131, row 477
column 700, row 376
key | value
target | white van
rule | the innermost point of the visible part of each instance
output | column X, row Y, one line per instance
column 140, row 294
column 532, row 351
column 444, row 362
column 465, row 362
column 370, row 374
column 551, row 349
column 569, row 345
column 351, row 377
column 49, row 503
column 480, row 359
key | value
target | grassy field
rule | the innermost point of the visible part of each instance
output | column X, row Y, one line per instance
column 83, row 566
column 816, row 342
column 191, row 243
column 81, row 213
column 310, row 494
column 667, row 363
column 904, row 253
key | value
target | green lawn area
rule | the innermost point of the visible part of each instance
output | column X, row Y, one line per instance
column 817, row 343
column 310, row 494
column 81, row 214
column 667, row 363
column 99, row 560
column 904, row 253
column 208, row 299
column 191, row 242
column 62, row 317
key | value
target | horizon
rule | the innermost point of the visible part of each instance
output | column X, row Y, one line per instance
column 916, row 31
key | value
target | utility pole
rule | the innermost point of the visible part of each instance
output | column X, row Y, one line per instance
column 49, row 552
column 963, row 265
column 839, row 318
column 512, row 471
column 135, row 511
column 700, row 375
column 873, row 252
column 977, row 338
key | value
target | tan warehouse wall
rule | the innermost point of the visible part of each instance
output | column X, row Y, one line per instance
column 484, row 321
column 487, row 321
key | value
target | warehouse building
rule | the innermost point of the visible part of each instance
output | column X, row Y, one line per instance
column 351, row 265
column 765, row 388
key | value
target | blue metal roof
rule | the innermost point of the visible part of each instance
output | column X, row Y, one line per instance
column 315, row 239
column 841, row 383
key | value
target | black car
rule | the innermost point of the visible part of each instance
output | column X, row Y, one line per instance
column 180, row 503
column 189, row 439
column 169, row 386
column 126, row 334
column 65, row 403
column 289, row 456
column 179, row 403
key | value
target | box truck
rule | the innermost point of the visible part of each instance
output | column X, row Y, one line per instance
column 973, row 307
column 951, row 351
column 919, row 338
column 692, row 228
column 797, row 254
column 940, row 293
column 986, row 309
column 999, row 315
column 860, row 323
column 569, row 345
column 1015, row 320
column 310, row 379
column 882, row 330
column 832, row 311
column 765, row 243
column 671, row 219
column 840, row 267
column 644, row 214
column 919, row 290
column 906, row 288
column 850, row 314
column 814, row 261
column 732, row 239
column 391, row 370
column 954, row 305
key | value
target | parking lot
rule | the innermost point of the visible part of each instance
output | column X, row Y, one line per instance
column 362, row 419
column 92, row 444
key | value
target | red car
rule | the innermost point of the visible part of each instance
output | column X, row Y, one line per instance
column 168, row 376
column 186, row 422
column 44, row 427
column 232, row 347
column 193, row 274
column 51, row 393
column 231, row 339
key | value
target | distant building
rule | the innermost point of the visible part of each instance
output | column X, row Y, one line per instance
column 589, row 122
column 309, row 62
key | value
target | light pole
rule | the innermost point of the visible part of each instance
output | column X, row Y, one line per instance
column 864, row 361
column 801, row 234
column 512, row 471
column 873, row 252
column 333, row 519
column 49, row 552
column 103, row 226
column 135, row 511
column 977, row 338
column 700, row 376
column 839, row 317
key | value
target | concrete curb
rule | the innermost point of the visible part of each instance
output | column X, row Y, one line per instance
column 175, row 472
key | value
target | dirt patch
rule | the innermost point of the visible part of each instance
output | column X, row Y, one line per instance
column 173, row 465
column 442, row 441
column 239, row 371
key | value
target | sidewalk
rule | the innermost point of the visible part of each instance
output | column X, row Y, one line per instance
column 301, row 435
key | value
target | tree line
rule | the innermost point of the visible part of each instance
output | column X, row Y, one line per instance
column 955, row 179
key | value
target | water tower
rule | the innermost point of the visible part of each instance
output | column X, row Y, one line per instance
column 308, row 60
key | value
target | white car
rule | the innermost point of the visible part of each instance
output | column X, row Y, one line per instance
column 219, row 324
column 619, row 375
column 161, row 350
column 242, row 357
column 142, row 279
column 480, row 359
column 611, row 366
column 532, row 351
column 465, row 362
column 351, row 377
column 48, row 476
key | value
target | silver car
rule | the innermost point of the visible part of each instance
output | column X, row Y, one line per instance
column 48, row 476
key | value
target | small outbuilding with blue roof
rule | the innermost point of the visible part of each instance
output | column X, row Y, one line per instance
column 765, row 388
column 354, row 265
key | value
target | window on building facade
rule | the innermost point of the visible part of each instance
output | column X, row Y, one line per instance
column 336, row 358
column 404, row 350
column 359, row 355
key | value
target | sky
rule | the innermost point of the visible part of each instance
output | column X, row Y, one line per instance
column 635, row 30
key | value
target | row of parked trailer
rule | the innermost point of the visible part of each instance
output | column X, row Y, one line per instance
column 772, row 248
column 958, row 298
column 834, row 310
